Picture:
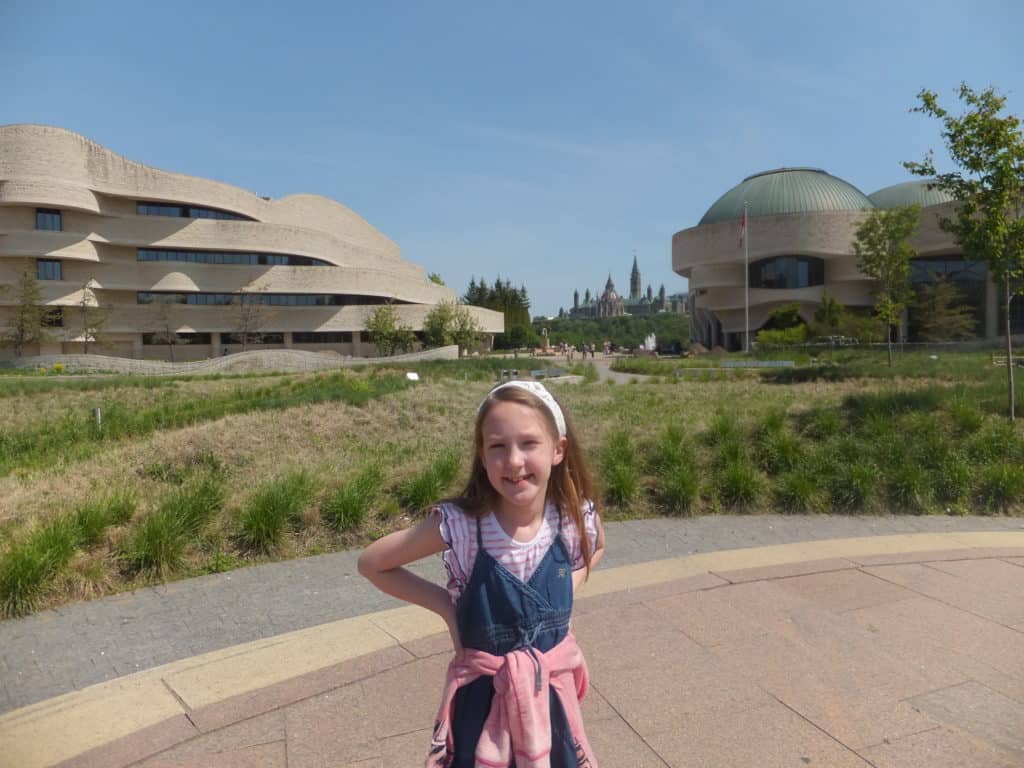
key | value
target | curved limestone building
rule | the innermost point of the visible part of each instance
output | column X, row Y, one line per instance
column 210, row 260
column 799, row 230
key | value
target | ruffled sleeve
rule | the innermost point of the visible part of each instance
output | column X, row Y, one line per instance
column 572, row 539
column 453, row 525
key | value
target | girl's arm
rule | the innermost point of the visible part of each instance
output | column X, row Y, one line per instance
column 382, row 562
column 580, row 575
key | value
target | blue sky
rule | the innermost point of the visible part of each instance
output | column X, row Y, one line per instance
column 542, row 141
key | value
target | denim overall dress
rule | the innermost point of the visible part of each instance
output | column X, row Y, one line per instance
column 498, row 613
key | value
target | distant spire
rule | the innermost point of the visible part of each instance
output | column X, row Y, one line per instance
column 635, row 283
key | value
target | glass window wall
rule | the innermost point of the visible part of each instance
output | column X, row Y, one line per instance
column 49, row 219
column 787, row 272
column 48, row 269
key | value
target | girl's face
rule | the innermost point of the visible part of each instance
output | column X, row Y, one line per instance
column 518, row 452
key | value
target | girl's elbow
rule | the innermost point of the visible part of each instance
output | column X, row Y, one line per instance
column 366, row 565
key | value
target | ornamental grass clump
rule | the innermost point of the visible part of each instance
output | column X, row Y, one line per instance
column 739, row 485
column 345, row 509
column 420, row 490
column 196, row 503
column 619, row 468
column 670, row 458
column 952, row 481
column 30, row 565
column 1001, row 485
column 798, row 491
column 852, row 484
column 907, row 486
column 272, row 508
column 156, row 543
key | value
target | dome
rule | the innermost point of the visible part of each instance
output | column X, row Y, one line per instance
column 910, row 192
column 787, row 190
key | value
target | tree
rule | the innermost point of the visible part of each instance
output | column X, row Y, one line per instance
column 92, row 318
column 387, row 332
column 988, row 148
column 165, row 322
column 435, row 278
column 512, row 302
column 447, row 323
column 828, row 317
column 437, row 325
column 938, row 315
column 884, row 254
column 250, row 317
column 31, row 317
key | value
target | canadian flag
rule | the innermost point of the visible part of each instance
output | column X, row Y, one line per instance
column 743, row 225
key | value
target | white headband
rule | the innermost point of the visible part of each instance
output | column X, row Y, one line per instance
column 542, row 394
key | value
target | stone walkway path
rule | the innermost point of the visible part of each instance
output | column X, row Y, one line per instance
column 69, row 648
column 752, row 658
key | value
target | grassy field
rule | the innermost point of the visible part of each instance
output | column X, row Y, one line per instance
column 196, row 475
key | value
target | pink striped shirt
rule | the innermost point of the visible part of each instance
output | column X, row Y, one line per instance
column 520, row 558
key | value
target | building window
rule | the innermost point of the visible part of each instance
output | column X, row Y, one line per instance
column 48, row 219
column 255, row 337
column 322, row 337
column 150, row 339
column 187, row 212
column 229, row 257
column 48, row 269
column 54, row 317
column 787, row 272
column 273, row 299
column 967, row 277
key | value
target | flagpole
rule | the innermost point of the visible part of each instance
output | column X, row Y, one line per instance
column 746, row 278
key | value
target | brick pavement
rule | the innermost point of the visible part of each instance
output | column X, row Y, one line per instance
column 893, row 660
column 70, row 648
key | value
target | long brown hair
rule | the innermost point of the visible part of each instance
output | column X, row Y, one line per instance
column 570, row 483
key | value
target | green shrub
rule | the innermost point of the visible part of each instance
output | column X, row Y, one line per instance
column 678, row 488
column 346, row 508
column 91, row 519
column 786, row 337
column 422, row 489
column 778, row 451
column 1001, row 485
column 797, row 491
column 669, row 449
column 966, row 414
column 196, row 503
column 619, row 468
column 156, row 543
column 825, row 423
column 991, row 442
column 24, row 573
column 952, row 479
column 908, row 487
column 852, row 485
column 739, row 485
column 29, row 566
column 272, row 508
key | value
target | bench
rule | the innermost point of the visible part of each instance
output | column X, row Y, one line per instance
column 757, row 364
column 547, row 373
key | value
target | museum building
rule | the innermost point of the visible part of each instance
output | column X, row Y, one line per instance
column 800, row 225
column 155, row 248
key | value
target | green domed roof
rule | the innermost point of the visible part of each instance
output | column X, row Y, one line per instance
column 787, row 190
column 908, row 193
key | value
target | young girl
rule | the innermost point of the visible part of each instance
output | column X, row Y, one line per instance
column 516, row 544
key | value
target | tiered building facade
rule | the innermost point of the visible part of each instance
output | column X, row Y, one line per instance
column 148, row 245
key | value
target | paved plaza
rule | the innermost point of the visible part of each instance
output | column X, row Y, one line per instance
column 757, row 641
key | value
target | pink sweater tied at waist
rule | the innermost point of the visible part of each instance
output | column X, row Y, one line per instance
column 519, row 724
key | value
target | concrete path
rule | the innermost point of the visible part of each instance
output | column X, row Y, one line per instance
column 863, row 650
column 54, row 652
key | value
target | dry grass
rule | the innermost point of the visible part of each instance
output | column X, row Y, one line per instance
column 400, row 434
